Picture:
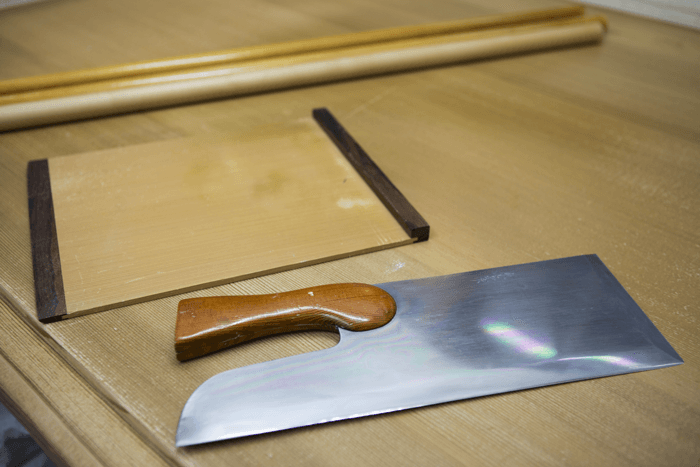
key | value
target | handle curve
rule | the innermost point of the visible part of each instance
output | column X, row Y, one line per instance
column 208, row 324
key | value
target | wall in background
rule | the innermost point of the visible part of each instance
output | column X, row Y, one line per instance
column 683, row 12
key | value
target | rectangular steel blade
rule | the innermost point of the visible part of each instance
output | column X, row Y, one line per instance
column 453, row 337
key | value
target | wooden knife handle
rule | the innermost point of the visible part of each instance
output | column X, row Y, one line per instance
column 208, row 324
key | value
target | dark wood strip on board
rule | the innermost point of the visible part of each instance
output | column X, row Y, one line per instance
column 406, row 215
column 48, row 282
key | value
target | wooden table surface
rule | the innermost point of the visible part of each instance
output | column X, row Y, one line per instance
column 588, row 150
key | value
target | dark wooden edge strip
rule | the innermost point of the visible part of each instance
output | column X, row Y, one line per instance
column 397, row 204
column 48, row 282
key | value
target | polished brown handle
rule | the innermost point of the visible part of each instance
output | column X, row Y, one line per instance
column 208, row 324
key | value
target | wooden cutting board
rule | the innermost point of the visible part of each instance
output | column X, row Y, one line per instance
column 120, row 226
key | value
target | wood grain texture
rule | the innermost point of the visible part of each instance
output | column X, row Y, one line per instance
column 592, row 149
column 208, row 324
column 63, row 105
column 148, row 221
column 41, row 388
column 397, row 204
column 268, row 57
column 48, row 281
column 258, row 52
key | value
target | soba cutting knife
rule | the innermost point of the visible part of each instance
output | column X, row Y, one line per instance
column 414, row 343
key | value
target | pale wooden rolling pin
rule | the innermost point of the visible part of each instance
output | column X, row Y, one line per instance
column 209, row 64
column 244, row 54
column 306, row 69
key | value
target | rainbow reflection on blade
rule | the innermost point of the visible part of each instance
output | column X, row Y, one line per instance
column 518, row 340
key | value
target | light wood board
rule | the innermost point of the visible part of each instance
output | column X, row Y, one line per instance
column 160, row 218
column 590, row 150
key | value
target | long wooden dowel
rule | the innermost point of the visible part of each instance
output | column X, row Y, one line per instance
column 222, row 69
column 239, row 55
column 296, row 71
